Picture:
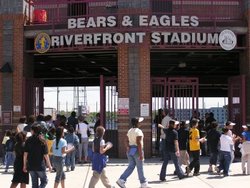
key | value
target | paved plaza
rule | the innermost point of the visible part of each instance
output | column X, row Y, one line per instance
column 81, row 176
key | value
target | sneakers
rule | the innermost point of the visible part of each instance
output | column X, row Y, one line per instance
column 188, row 170
column 217, row 170
column 196, row 174
column 121, row 183
column 144, row 185
column 244, row 170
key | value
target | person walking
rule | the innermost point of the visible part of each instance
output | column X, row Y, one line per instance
column 6, row 137
column 194, row 148
column 226, row 144
column 82, row 128
column 72, row 140
column 99, row 159
column 134, row 153
column 246, row 150
column 9, row 151
column 72, row 120
column 157, row 120
column 35, row 156
column 183, row 136
column 213, row 140
column 22, row 124
column 19, row 175
column 171, row 151
column 164, row 125
column 60, row 150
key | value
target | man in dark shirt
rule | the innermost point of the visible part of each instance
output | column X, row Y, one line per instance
column 171, row 151
column 34, row 154
column 213, row 139
column 157, row 120
column 183, row 136
column 72, row 120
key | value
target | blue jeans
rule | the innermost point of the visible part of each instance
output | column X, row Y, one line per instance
column 168, row 156
column 162, row 147
column 58, row 163
column 70, row 160
column 225, row 161
column 34, row 178
column 134, row 162
column 9, row 159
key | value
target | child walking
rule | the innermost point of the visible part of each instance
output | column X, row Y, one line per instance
column 9, row 149
column 99, row 159
column 226, row 146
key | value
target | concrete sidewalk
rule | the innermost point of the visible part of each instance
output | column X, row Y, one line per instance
column 81, row 176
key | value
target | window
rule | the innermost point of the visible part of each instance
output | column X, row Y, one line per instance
column 162, row 6
column 77, row 9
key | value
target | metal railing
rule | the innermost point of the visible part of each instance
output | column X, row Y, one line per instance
column 58, row 12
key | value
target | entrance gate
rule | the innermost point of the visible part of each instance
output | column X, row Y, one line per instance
column 179, row 95
column 237, row 101
column 108, row 111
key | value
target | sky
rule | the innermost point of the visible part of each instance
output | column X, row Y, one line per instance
column 66, row 98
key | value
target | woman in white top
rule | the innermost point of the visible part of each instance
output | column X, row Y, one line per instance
column 226, row 145
column 22, row 124
column 82, row 128
column 134, row 153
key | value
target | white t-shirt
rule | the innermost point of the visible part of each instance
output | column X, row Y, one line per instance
column 165, row 124
column 21, row 126
column 226, row 143
column 83, row 127
column 132, row 134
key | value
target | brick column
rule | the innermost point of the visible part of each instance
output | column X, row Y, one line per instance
column 11, row 52
column 123, row 92
column 134, row 81
column 245, row 60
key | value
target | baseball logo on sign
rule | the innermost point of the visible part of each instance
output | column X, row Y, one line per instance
column 227, row 40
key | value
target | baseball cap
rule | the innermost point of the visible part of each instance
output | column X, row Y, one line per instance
column 136, row 120
column 230, row 123
column 244, row 126
column 175, row 122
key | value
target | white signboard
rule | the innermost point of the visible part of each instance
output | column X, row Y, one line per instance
column 16, row 108
column 144, row 109
column 123, row 106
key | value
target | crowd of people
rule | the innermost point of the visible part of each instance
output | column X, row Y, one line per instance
column 40, row 142
column 190, row 139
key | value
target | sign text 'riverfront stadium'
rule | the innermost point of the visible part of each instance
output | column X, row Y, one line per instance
column 226, row 39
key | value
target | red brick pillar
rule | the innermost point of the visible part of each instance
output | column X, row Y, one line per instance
column 123, row 73
column 11, row 52
column 245, row 61
column 138, row 92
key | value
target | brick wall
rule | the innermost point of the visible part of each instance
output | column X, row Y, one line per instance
column 11, row 51
column 245, row 64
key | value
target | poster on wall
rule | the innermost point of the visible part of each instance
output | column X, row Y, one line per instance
column 144, row 109
column 6, row 117
column 123, row 106
column 16, row 108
